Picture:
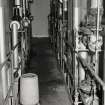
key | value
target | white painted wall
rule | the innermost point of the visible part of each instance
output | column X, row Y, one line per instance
column 40, row 10
column 7, row 7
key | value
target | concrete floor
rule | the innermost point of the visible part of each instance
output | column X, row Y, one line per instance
column 44, row 64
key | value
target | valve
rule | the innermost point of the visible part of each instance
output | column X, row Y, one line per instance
column 26, row 22
column 31, row 18
column 95, row 43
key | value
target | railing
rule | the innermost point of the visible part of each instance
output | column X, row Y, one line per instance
column 89, row 68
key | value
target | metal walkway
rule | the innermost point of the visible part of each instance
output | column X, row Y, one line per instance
column 43, row 62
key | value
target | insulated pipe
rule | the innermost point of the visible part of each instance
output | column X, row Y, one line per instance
column 76, row 28
column 27, row 4
column 84, row 56
column 15, row 26
column 17, row 2
column 65, row 6
column 96, row 3
column 99, row 16
column 60, row 9
column 76, row 15
column 3, row 52
column 24, row 7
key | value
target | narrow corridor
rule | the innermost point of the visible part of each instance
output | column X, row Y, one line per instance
column 51, row 84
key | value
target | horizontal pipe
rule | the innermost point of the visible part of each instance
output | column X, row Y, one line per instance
column 91, row 70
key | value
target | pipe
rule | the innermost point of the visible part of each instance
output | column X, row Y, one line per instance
column 24, row 7
column 18, row 2
column 65, row 6
column 76, row 15
column 97, row 36
column 27, row 3
column 96, row 3
column 76, row 28
column 91, row 70
column 15, row 41
column 22, row 52
column 15, row 26
column 104, row 69
column 84, row 55
column 3, row 52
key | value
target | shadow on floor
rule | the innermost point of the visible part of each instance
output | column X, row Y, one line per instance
column 44, row 64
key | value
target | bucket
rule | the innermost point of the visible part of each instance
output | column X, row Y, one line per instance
column 29, row 90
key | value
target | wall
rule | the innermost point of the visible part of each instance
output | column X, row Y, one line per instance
column 40, row 10
column 7, row 11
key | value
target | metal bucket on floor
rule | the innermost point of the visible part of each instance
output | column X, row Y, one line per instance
column 29, row 90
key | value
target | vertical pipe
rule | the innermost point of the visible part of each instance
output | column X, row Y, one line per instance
column 22, row 52
column 27, row 4
column 12, row 77
column 15, row 26
column 17, row 2
column 26, row 43
column 15, row 41
column 104, row 71
column 65, row 6
column 96, row 3
column 3, row 52
column 14, row 57
column 97, row 36
column 76, row 15
column 76, row 28
column 24, row 7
